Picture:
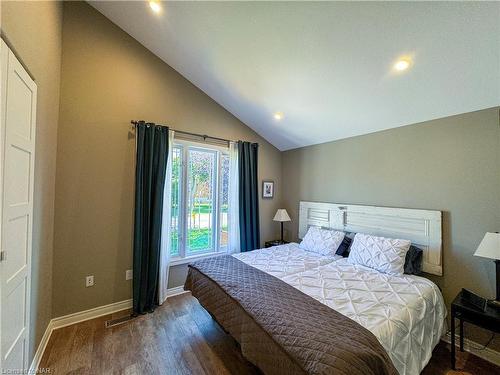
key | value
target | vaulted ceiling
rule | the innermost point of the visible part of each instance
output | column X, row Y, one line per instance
column 328, row 68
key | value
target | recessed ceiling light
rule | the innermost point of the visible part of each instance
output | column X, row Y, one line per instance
column 155, row 5
column 402, row 65
column 278, row 116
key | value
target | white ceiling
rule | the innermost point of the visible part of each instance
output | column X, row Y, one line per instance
column 326, row 66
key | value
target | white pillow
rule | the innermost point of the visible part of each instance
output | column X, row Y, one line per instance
column 322, row 241
column 383, row 254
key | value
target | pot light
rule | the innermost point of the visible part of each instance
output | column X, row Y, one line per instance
column 278, row 116
column 155, row 6
column 402, row 65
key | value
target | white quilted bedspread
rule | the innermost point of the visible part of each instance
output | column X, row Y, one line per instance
column 406, row 313
column 284, row 260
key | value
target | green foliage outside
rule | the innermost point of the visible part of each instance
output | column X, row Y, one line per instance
column 199, row 240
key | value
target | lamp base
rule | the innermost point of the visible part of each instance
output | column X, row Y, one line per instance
column 494, row 303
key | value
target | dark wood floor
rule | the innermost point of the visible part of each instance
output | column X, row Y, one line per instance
column 178, row 338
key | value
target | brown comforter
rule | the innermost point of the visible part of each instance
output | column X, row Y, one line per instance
column 280, row 329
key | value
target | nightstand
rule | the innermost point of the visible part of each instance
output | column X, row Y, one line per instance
column 465, row 312
column 274, row 243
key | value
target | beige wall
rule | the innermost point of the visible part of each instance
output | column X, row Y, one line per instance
column 108, row 79
column 33, row 30
column 451, row 164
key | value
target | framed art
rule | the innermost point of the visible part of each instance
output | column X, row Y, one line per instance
column 268, row 189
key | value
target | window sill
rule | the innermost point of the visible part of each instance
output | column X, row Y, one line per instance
column 177, row 260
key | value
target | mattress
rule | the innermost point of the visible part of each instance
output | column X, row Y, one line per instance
column 406, row 313
column 284, row 260
column 280, row 329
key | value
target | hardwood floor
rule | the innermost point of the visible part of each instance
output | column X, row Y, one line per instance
column 180, row 337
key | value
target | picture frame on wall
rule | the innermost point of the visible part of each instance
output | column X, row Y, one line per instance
column 268, row 189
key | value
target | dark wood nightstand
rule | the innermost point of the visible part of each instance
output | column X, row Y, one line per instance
column 274, row 243
column 465, row 312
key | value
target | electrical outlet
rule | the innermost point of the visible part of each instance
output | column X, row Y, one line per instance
column 128, row 275
column 89, row 281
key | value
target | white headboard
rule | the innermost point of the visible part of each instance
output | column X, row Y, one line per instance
column 421, row 227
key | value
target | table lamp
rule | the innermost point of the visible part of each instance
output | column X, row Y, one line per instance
column 490, row 248
column 281, row 216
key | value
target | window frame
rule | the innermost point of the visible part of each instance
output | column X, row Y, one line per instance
column 222, row 249
column 180, row 221
column 214, row 196
column 185, row 256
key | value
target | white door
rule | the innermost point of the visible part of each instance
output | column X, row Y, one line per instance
column 17, row 149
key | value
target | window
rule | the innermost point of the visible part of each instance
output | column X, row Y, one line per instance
column 200, row 187
column 176, row 199
column 224, row 200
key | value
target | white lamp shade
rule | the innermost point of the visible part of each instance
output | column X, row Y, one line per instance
column 281, row 215
column 489, row 246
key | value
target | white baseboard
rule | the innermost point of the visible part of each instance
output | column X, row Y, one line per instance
column 176, row 291
column 473, row 347
column 82, row 316
column 41, row 348
column 96, row 312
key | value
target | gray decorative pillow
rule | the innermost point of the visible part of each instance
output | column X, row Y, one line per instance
column 413, row 261
column 322, row 241
column 344, row 247
column 386, row 255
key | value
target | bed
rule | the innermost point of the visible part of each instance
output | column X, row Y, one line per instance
column 399, row 318
column 284, row 260
column 406, row 313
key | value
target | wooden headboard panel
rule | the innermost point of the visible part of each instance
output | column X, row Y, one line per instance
column 421, row 227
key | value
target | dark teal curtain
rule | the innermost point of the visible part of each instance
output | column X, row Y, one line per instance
column 248, row 196
column 150, row 172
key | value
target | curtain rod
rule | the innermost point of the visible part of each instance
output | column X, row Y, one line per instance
column 204, row 136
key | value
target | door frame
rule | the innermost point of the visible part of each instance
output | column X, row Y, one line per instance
column 9, row 61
